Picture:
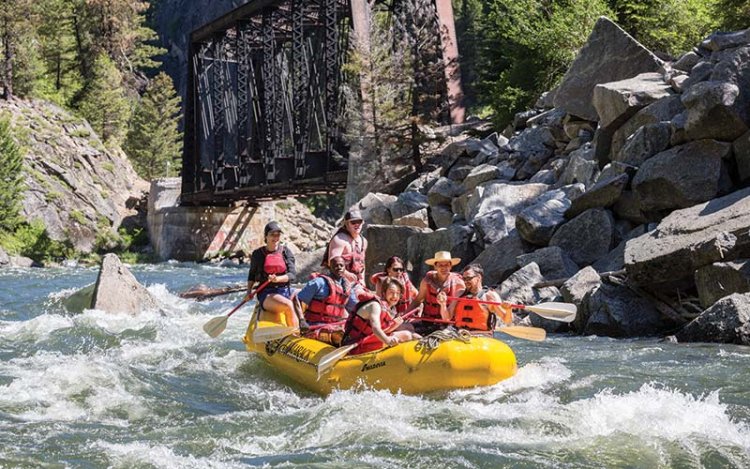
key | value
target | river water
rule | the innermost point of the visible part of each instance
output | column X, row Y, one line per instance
column 94, row 390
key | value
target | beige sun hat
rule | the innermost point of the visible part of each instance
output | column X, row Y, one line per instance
column 443, row 256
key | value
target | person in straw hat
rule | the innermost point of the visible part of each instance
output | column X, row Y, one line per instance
column 435, row 288
column 349, row 243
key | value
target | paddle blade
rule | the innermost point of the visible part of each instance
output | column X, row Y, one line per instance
column 330, row 359
column 563, row 312
column 215, row 326
column 537, row 334
column 267, row 334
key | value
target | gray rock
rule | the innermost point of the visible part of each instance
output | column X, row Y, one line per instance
column 615, row 169
column 519, row 288
column 537, row 223
column 459, row 172
column 699, row 73
column 506, row 171
column 480, row 174
column 618, row 101
column 715, row 111
column 727, row 321
column 443, row 192
column 117, row 290
column 375, row 208
column 511, row 197
column 682, row 176
column 573, row 128
column 616, row 311
column 714, row 231
column 408, row 202
column 662, row 110
column 441, row 215
column 490, row 227
column 4, row 258
column 677, row 83
column 424, row 182
column 418, row 219
column 725, row 40
column 553, row 262
column 533, row 147
column 741, row 150
column 646, row 142
column 628, row 207
column 577, row 290
column 23, row 262
column 610, row 54
column 603, row 194
column 386, row 241
column 499, row 259
column 308, row 262
column 717, row 280
column 582, row 167
column 687, row 61
column 587, row 237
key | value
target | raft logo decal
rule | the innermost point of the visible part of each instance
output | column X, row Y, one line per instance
column 367, row 367
column 290, row 348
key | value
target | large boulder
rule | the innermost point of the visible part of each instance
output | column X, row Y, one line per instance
column 726, row 321
column 715, row 231
column 386, row 241
column 587, row 237
column 456, row 239
column 683, row 176
column 499, row 259
column 616, row 311
column 663, row 110
column 714, row 110
column 582, row 168
column 603, row 194
column 408, row 202
column 610, row 54
column 443, row 192
column 645, row 142
column 741, row 150
column 117, row 290
column 717, row 280
column 577, row 290
column 480, row 174
column 490, row 227
column 510, row 197
column 538, row 222
column 617, row 101
column 308, row 262
column 375, row 208
column 553, row 262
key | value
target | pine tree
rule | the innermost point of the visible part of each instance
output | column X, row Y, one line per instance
column 16, row 38
column 11, row 178
column 154, row 142
column 104, row 103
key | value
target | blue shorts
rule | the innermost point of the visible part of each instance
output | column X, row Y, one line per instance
column 283, row 290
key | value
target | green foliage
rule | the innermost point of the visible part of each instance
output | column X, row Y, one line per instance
column 667, row 26
column 526, row 47
column 78, row 217
column 154, row 142
column 104, row 103
column 732, row 15
column 11, row 178
column 33, row 241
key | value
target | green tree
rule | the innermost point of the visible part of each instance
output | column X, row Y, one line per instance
column 57, row 48
column 11, row 178
column 104, row 103
column 18, row 65
column 154, row 142
column 732, row 14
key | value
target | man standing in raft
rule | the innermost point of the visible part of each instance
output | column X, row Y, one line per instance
column 349, row 243
column 473, row 315
column 323, row 300
column 434, row 290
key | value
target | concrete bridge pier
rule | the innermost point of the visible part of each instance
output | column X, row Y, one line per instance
column 199, row 233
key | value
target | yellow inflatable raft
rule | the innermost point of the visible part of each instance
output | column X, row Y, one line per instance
column 410, row 367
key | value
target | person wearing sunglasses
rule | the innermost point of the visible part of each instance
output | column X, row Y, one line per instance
column 434, row 290
column 394, row 268
column 349, row 243
column 473, row 315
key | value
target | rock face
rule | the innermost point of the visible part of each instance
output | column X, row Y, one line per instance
column 74, row 185
column 117, row 290
column 726, row 321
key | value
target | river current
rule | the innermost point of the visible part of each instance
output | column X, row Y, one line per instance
column 93, row 390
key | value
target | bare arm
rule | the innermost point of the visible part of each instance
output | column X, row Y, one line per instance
column 421, row 295
column 371, row 312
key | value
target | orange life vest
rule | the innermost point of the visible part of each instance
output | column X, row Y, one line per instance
column 331, row 308
column 475, row 316
column 451, row 287
column 359, row 330
column 408, row 294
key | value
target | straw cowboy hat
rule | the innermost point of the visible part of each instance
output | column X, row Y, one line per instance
column 443, row 256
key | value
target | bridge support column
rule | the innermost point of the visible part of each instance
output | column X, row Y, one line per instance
column 450, row 59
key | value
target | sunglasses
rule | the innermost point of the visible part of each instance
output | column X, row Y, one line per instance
column 356, row 222
column 470, row 278
column 397, row 269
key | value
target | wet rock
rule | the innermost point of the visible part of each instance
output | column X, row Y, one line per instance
column 587, row 237
column 117, row 290
column 726, row 321
column 720, row 279
column 4, row 258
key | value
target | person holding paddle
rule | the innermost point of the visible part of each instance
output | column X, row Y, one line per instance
column 472, row 314
column 274, row 262
column 434, row 290
column 374, row 324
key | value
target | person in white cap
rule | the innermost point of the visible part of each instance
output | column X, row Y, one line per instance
column 434, row 290
column 349, row 243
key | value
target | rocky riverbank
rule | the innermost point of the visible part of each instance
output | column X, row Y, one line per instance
column 623, row 191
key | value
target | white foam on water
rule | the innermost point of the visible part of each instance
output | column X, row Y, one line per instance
column 127, row 455
column 35, row 329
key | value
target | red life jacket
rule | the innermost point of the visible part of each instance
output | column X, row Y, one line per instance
column 451, row 287
column 358, row 330
column 408, row 294
column 331, row 308
column 355, row 260
column 274, row 263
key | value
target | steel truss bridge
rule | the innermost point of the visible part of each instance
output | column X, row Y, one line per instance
column 264, row 113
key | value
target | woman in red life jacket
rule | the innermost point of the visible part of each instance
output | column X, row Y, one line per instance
column 394, row 268
column 349, row 243
column 274, row 262
column 373, row 325
column 435, row 288
column 477, row 316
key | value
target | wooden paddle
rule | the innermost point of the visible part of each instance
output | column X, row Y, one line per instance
column 537, row 334
column 202, row 292
column 328, row 360
column 563, row 312
column 216, row 326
